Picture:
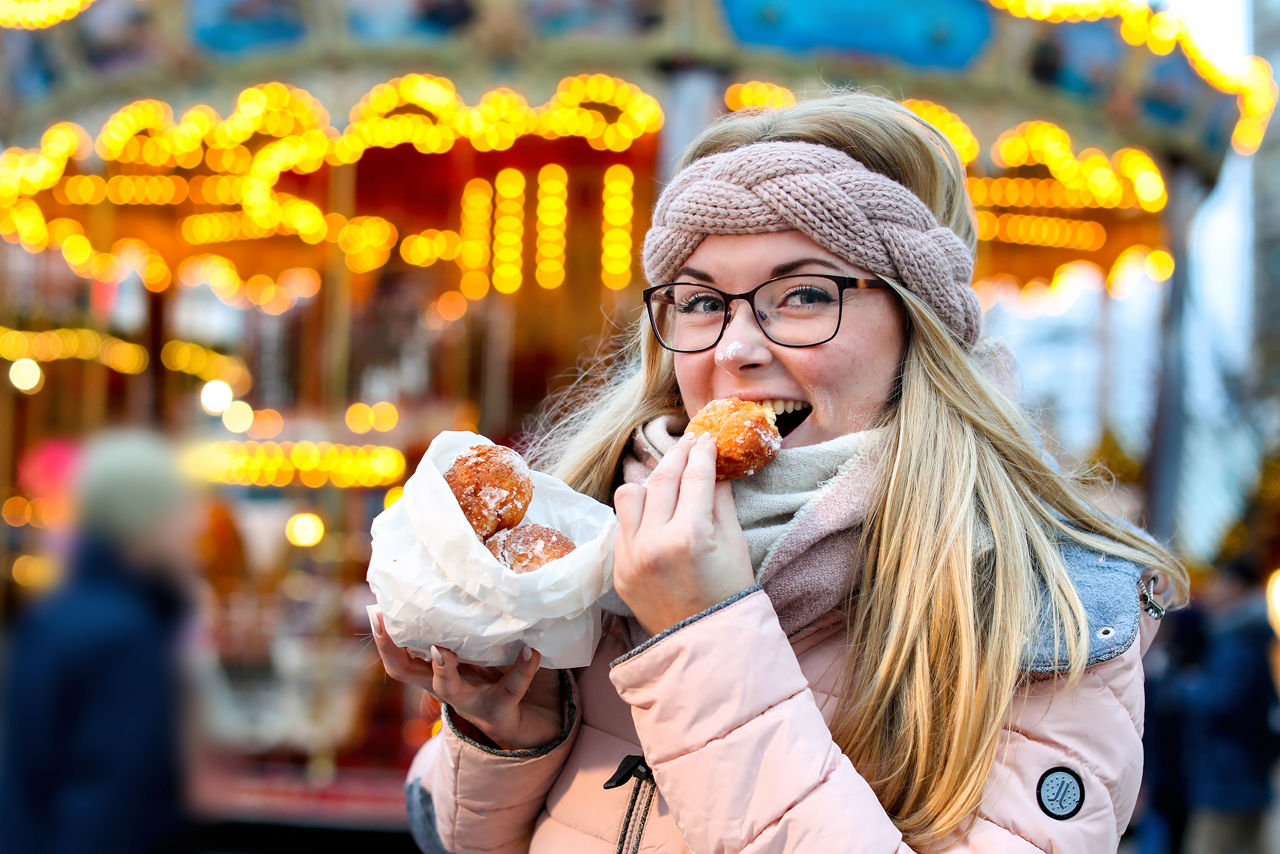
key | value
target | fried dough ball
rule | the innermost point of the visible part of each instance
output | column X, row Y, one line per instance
column 529, row 547
column 747, row 438
column 492, row 485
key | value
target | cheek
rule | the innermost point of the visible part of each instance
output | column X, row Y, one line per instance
column 693, row 378
column 856, row 367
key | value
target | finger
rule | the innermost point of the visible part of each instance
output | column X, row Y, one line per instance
column 628, row 503
column 521, row 674
column 447, row 684
column 402, row 666
column 698, row 483
column 723, row 510
column 662, row 489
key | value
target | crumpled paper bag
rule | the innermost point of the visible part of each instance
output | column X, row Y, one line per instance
column 436, row 583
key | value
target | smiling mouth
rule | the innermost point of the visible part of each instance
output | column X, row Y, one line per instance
column 788, row 414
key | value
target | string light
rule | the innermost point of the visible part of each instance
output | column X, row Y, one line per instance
column 951, row 125
column 281, row 464
column 473, row 248
column 615, row 241
column 1057, row 232
column 756, row 94
column 67, row 343
column 38, row 14
column 1130, row 178
column 508, row 230
column 552, row 213
column 190, row 358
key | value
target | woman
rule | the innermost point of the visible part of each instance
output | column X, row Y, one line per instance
column 907, row 633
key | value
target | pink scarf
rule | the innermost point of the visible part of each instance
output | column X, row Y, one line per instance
column 803, row 562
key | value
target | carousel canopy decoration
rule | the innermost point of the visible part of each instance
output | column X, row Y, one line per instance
column 1160, row 32
column 38, row 14
column 255, row 168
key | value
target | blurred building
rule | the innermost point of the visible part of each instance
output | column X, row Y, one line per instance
column 307, row 236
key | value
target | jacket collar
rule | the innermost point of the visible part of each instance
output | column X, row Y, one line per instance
column 1108, row 590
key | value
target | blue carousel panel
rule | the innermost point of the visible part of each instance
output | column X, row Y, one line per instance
column 1220, row 121
column 1081, row 59
column 244, row 26
column 1171, row 89
column 27, row 64
column 396, row 20
column 945, row 34
column 599, row 17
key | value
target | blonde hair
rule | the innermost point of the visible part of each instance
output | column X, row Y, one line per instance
column 937, row 626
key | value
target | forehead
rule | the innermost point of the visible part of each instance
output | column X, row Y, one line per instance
column 751, row 257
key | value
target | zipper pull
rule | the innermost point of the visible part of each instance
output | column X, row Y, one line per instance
column 630, row 766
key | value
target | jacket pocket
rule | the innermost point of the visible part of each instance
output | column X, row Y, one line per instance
column 633, row 767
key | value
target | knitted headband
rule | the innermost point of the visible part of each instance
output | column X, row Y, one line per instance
column 864, row 217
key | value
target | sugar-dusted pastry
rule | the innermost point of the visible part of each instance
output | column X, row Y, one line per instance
column 528, row 547
column 492, row 485
column 746, row 435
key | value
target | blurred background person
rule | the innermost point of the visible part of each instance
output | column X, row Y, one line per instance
column 91, row 724
column 1228, row 713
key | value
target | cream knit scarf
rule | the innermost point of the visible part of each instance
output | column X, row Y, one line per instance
column 801, row 515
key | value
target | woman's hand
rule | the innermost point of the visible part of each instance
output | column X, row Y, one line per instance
column 679, row 548
column 515, row 707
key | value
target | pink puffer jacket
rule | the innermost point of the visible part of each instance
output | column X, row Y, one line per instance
column 725, row 722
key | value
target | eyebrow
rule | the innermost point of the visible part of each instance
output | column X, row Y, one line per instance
column 780, row 270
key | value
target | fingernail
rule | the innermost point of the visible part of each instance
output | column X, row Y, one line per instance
column 689, row 437
column 377, row 627
column 437, row 658
column 527, row 654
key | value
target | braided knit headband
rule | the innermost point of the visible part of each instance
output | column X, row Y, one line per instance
column 864, row 217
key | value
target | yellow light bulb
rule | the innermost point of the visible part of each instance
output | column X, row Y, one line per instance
column 304, row 529
column 26, row 376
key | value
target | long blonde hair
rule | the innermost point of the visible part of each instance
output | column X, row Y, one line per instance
column 937, row 626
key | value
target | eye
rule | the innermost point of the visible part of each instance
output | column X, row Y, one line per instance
column 701, row 303
column 808, row 295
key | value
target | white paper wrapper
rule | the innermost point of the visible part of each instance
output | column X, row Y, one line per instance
column 436, row 583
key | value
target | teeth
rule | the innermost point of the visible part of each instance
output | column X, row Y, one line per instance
column 781, row 406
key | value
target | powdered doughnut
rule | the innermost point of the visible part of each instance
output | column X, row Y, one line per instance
column 492, row 485
column 747, row 438
column 529, row 547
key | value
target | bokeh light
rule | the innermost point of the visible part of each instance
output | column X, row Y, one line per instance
column 304, row 529
column 26, row 376
column 215, row 397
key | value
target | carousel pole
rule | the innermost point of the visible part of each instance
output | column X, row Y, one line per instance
column 1164, row 466
column 336, row 345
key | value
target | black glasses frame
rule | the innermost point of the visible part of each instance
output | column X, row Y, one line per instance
column 843, row 283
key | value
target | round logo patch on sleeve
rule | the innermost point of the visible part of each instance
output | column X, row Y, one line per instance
column 1060, row 793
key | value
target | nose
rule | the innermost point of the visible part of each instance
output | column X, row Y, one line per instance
column 743, row 344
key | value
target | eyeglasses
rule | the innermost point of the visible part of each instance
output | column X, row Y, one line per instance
column 801, row 310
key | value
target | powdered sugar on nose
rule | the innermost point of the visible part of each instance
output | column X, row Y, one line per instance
column 728, row 350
